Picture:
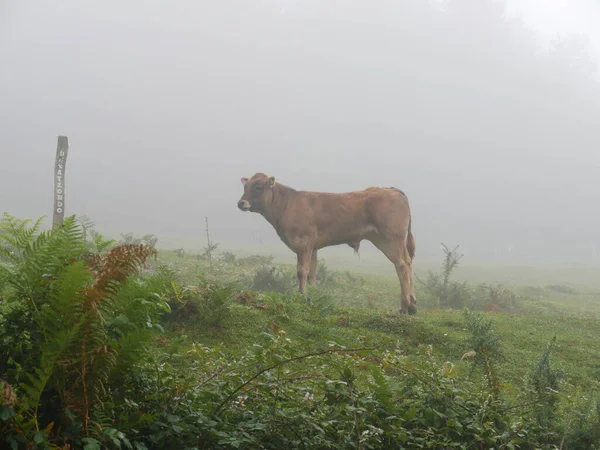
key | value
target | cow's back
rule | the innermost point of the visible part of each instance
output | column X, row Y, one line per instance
column 347, row 218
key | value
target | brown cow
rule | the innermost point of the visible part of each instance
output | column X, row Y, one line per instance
column 308, row 221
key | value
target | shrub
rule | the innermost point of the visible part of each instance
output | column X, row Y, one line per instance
column 73, row 322
column 484, row 346
column 545, row 381
column 446, row 291
column 492, row 297
column 256, row 260
column 206, row 302
column 271, row 278
column 214, row 303
column 583, row 425
column 353, row 279
column 320, row 302
column 228, row 258
column 325, row 277
column 149, row 239
column 281, row 395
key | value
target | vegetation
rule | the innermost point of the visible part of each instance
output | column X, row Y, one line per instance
column 443, row 290
column 102, row 347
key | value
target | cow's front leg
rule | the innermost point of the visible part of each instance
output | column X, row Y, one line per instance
column 312, row 272
column 303, row 267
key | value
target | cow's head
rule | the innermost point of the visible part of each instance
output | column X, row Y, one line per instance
column 258, row 191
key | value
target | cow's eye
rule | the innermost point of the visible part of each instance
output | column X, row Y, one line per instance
column 258, row 187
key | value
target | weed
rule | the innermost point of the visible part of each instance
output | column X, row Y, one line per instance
column 149, row 239
column 210, row 246
column 228, row 258
column 271, row 278
column 545, row 382
column 325, row 277
column 484, row 345
column 446, row 291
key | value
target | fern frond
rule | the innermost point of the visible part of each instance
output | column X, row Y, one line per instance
column 101, row 244
column 60, row 326
column 65, row 294
column 15, row 234
column 74, row 299
column 52, row 354
column 96, row 356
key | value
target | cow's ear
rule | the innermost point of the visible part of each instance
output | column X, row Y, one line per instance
column 244, row 180
column 271, row 181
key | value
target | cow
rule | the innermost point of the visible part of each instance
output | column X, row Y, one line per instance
column 308, row 221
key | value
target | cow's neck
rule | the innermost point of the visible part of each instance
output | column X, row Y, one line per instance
column 274, row 212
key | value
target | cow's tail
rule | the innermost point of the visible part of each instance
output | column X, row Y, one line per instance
column 411, row 245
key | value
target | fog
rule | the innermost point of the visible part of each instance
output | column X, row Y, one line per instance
column 485, row 113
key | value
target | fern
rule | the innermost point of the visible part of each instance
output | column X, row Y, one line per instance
column 382, row 388
column 96, row 356
column 37, row 260
column 76, row 293
column 56, row 322
column 15, row 235
column 100, row 245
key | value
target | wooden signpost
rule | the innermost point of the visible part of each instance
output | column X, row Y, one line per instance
column 62, row 150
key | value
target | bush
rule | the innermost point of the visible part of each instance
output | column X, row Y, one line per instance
column 325, row 277
column 73, row 323
column 256, row 260
column 273, row 279
column 354, row 280
column 149, row 239
column 545, row 384
column 214, row 303
column 206, row 302
column 484, row 346
column 228, row 258
column 583, row 425
column 446, row 291
column 492, row 297
column 280, row 395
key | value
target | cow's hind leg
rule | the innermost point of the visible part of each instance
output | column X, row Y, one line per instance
column 312, row 272
column 413, row 296
column 412, row 309
column 395, row 251
column 302, row 269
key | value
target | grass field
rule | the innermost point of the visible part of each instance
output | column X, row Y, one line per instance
column 114, row 345
column 364, row 304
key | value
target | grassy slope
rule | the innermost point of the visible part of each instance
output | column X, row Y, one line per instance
column 362, row 313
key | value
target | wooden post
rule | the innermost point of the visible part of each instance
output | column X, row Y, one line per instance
column 62, row 150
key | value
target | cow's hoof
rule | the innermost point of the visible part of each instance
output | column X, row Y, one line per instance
column 412, row 309
column 402, row 311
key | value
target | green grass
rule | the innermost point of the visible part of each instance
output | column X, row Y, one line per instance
column 223, row 352
column 362, row 312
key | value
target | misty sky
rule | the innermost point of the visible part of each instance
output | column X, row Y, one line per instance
column 475, row 111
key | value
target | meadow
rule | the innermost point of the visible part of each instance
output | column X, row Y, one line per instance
column 107, row 344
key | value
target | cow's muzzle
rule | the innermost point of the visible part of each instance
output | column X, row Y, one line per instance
column 244, row 205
